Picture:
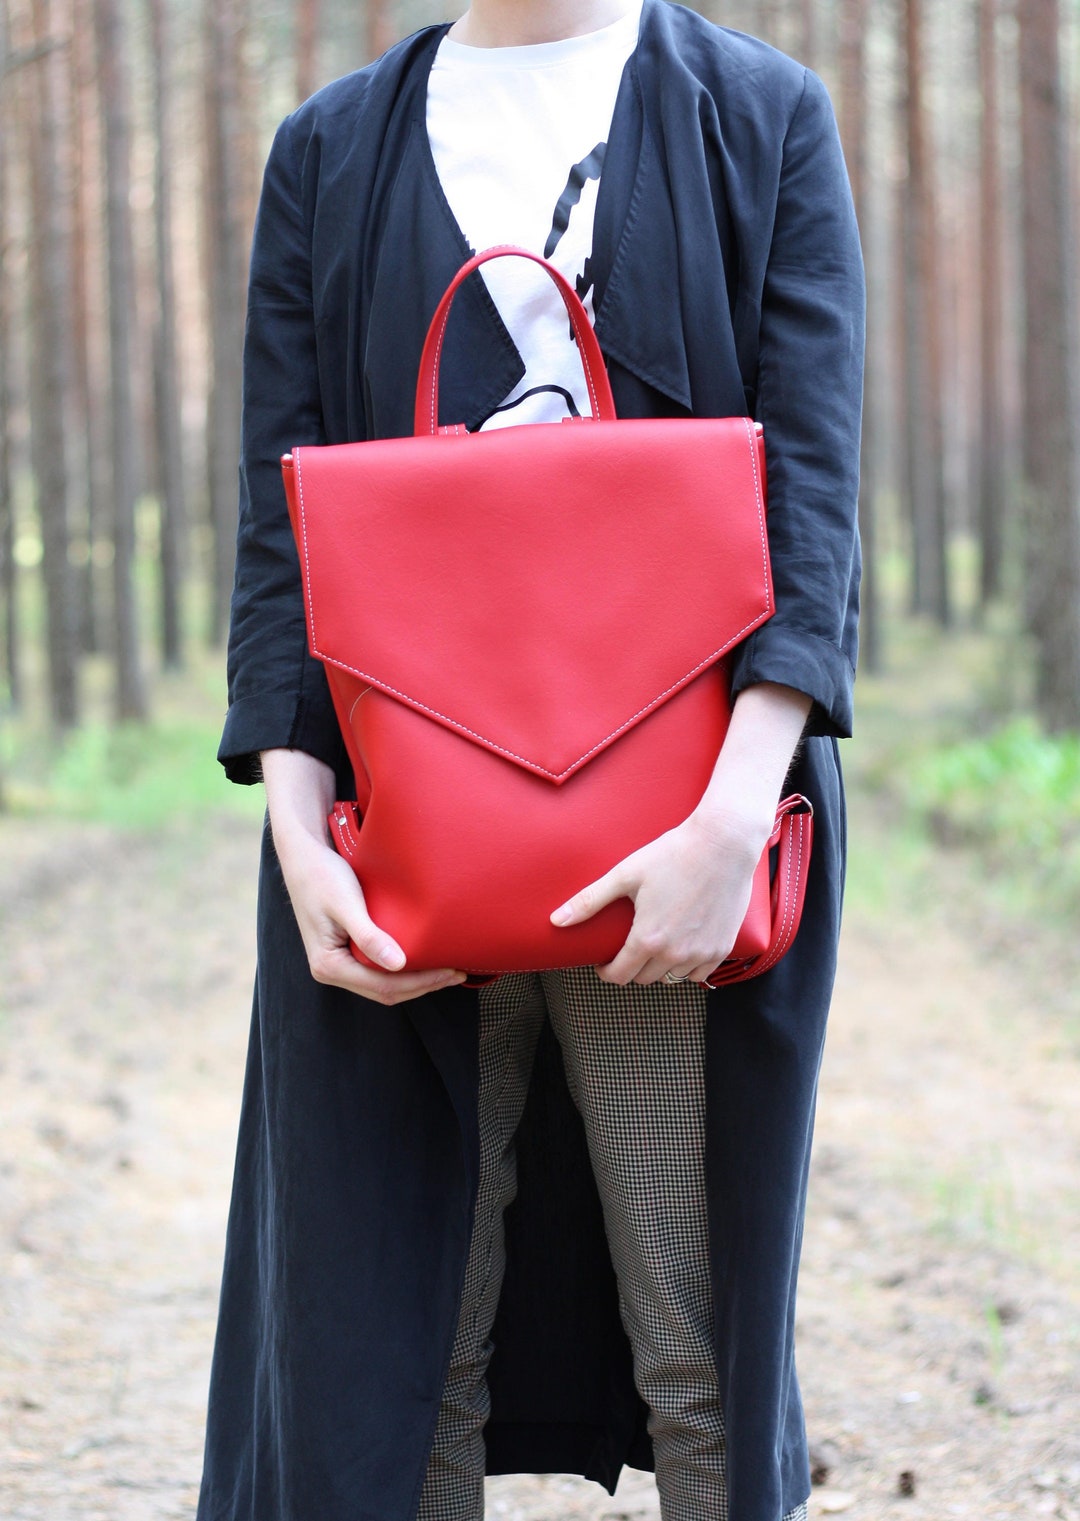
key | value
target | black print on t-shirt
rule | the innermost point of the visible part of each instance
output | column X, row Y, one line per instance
column 588, row 169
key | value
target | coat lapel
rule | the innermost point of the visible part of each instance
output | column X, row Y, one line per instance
column 635, row 251
column 412, row 252
column 667, row 276
column 642, row 283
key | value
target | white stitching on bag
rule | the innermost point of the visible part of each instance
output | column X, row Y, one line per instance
column 461, row 728
column 303, row 533
column 787, row 929
column 490, row 744
column 760, row 505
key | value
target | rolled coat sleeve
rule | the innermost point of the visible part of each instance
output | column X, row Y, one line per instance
column 278, row 695
column 809, row 400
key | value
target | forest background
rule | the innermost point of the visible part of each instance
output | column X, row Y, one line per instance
column 941, row 1278
column 132, row 134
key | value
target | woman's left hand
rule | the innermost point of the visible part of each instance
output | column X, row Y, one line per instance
column 690, row 889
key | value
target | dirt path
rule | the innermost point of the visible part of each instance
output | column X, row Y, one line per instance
column 940, row 1300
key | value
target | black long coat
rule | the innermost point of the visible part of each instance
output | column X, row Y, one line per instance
column 728, row 281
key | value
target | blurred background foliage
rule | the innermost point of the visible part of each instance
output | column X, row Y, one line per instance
column 132, row 134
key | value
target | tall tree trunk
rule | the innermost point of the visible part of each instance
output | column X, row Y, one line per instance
column 380, row 28
column 9, row 621
column 167, row 390
column 913, row 464
column 225, row 252
column 250, row 152
column 50, row 383
column 853, row 127
column 926, row 447
column 770, row 24
column 90, row 510
column 807, row 16
column 112, row 55
column 1049, row 419
column 991, row 455
column 307, row 38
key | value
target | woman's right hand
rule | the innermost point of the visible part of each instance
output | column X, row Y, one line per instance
column 326, row 897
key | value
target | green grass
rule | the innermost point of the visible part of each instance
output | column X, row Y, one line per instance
column 940, row 760
column 129, row 775
column 947, row 757
column 979, row 1206
column 1013, row 799
column 138, row 776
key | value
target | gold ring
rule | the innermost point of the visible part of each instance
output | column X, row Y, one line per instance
column 670, row 977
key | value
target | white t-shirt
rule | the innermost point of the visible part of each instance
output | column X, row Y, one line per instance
column 518, row 135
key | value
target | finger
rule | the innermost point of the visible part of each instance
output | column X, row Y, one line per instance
column 350, row 920
column 393, row 988
column 375, row 944
column 692, row 971
column 659, row 970
column 617, row 883
column 654, row 971
column 626, row 965
column 339, row 968
column 331, row 911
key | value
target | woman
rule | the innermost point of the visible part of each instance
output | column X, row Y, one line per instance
column 384, row 1333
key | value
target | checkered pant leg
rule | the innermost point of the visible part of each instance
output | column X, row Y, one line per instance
column 634, row 1060
column 635, row 1063
column 510, row 1025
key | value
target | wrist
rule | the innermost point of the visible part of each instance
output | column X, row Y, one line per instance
column 296, row 836
column 734, row 822
column 299, row 795
column 766, row 724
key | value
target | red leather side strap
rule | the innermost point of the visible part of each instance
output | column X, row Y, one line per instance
column 793, row 835
column 344, row 822
column 427, row 383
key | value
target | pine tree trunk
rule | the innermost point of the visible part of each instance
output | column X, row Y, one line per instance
column 50, row 382
column 922, row 317
column 113, row 82
column 307, row 38
column 1053, row 523
column 380, row 30
column 90, row 459
column 991, row 460
column 167, row 391
column 808, row 33
column 771, row 21
column 853, row 128
column 913, row 461
column 9, row 621
column 225, row 254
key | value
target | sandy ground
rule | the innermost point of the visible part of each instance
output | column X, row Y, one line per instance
column 940, row 1301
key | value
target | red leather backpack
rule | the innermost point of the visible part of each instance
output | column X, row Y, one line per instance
column 524, row 633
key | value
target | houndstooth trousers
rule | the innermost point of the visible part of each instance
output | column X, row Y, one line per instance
column 635, row 1066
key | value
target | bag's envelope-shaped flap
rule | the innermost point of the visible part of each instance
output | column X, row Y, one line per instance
column 541, row 588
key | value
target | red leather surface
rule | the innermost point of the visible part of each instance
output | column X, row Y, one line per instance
column 538, row 588
column 463, row 855
column 524, row 632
